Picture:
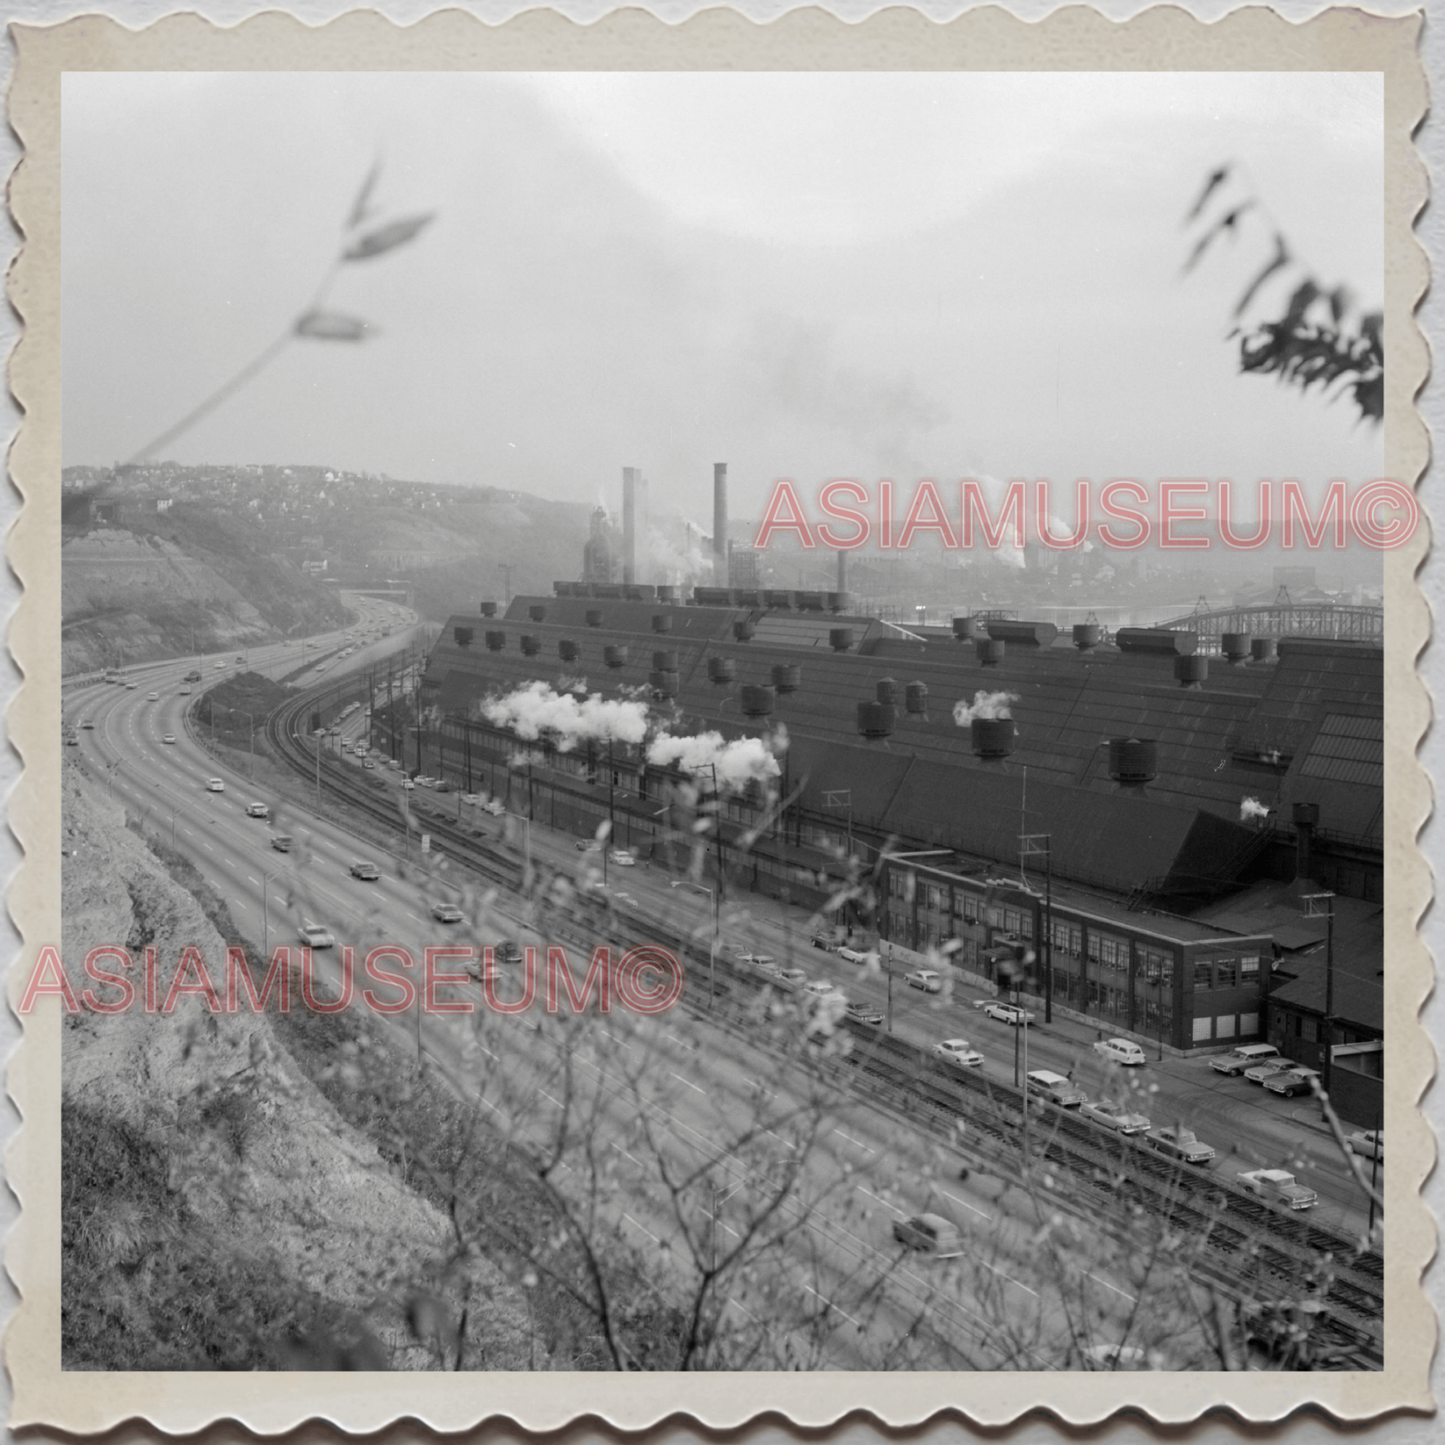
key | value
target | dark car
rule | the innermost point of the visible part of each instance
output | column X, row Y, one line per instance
column 864, row 1013
column 367, row 872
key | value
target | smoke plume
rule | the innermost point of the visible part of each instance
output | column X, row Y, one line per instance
column 536, row 711
column 1251, row 808
column 984, row 705
column 738, row 763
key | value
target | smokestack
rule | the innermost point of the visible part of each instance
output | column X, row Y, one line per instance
column 629, row 525
column 842, row 572
column 720, row 525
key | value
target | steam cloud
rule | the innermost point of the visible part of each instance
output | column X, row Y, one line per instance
column 536, row 711
column 1251, row 808
column 738, row 763
column 984, row 705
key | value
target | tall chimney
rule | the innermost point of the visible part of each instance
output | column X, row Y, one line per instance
column 629, row 525
column 720, row 525
column 842, row 572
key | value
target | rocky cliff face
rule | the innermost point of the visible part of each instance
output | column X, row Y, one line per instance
column 259, row 1169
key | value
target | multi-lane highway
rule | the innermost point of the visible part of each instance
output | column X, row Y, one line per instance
column 676, row 1098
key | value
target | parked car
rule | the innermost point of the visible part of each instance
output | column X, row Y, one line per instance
column 1246, row 1056
column 926, row 979
column 855, row 955
column 929, row 1234
column 958, row 1051
column 1055, row 1088
column 1174, row 1141
column 1115, row 1116
column 864, row 1013
column 1258, row 1073
column 443, row 786
column 1279, row 1186
column 215, row 785
column 1369, row 1142
column 823, row 941
column 367, row 872
column 587, row 845
column 446, row 913
column 622, row 858
column 1007, row 1013
column 1121, row 1051
column 1292, row 1081
column 71, row 741
column 313, row 935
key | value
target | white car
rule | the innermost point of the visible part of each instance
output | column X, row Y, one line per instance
column 215, row 785
column 820, row 988
column 257, row 810
column 957, row 1051
column 446, row 913
column 1280, row 1186
column 313, row 935
column 153, row 697
column 1116, row 1117
column 1120, row 1051
column 169, row 738
column 622, row 858
column 408, row 785
column 926, row 979
column 853, row 955
column 1007, row 1013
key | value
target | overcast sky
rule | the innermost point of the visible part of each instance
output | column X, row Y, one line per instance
column 807, row 276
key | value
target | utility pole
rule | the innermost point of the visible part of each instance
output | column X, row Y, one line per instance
column 1031, row 845
column 1317, row 904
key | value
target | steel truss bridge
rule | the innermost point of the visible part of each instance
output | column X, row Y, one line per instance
column 1283, row 618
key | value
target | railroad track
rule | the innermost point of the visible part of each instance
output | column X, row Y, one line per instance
column 1280, row 1250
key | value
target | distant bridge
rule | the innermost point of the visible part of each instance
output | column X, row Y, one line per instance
column 1283, row 618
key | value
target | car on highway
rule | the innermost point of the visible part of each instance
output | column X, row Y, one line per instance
column 442, row 786
column 215, row 785
column 367, row 763
column 281, row 842
column 1120, row 1051
column 446, row 913
column 1267, row 1070
column 257, row 810
column 1369, row 1142
column 509, row 952
column 221, row 664
column 1112, row 1115
column 958, row 1051
column 153, row 697
column 313, row 935
column 1007, row 1013
column 821, row 940
column 929, row 1234
column 88, row 723
column 367, row 872
column 1279, row 1186
column 1055, row 1088
column 821, row 988
column 471, row 799
column 855, row 955
column 71, row 741
column 408, row 786
column 1174, row 1141
column 926, row 979
column 791, row 977
column 1245, row 1056
column 864, row 1013
column 484, row 969
column 131, row 686
column 622, row 858
column 1292, row 1081
column 587, row 845
column 496, row 807
column 185, row 692
column 239, row 658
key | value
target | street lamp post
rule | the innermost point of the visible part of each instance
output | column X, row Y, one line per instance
column 1327, row 907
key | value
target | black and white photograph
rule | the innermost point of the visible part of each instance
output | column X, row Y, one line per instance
column 724, row 722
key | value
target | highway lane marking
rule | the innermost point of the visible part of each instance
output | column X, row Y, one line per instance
column 642, row 1227
column 625, row 1154
column 688, row 1082
column 781, row 1140
column 828, row 1304
column 858, row 1142
column 965, row 1204
column 881, row 1200
column 1114, row 1287
column 1010, row 1278
column 549, row 1098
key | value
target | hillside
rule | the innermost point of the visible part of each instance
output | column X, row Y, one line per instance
column 193, row 579
column 219, row 1212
